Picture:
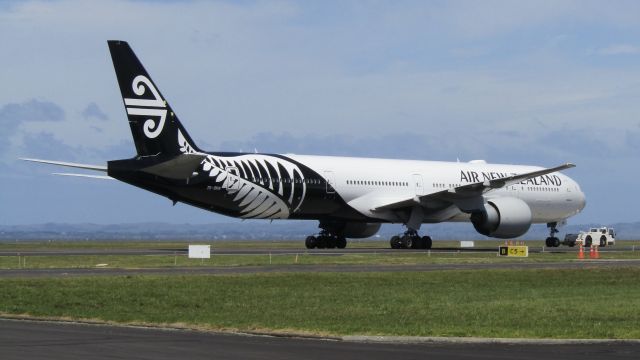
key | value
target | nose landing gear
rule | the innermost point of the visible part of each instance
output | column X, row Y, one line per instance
column 552, row 240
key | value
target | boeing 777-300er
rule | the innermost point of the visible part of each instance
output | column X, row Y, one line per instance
column 350, row 197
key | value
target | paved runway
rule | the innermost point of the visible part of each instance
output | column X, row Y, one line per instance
column 310, row 268
column 280, row 251
column 47, row 340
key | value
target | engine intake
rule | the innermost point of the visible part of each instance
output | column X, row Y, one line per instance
column 504, row 217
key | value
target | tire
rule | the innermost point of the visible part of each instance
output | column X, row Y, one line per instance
column 407, row 242
column 311, row 242
column 341, row 242
column 321, row 242
column 603, row 241
column 332, row 242
column 588, row 241
column 395, row 242
column 426, row 242
column 548, row 242
column 556, row 242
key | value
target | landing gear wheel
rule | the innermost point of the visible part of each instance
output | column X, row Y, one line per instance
column 426, row 242
column 588, row 241
column 311, row 242
column 341, row 242
column 603, row 241
column 331, row 242
column 321, row 242
column 395, row 242
column 552, row 240
column 407, row 241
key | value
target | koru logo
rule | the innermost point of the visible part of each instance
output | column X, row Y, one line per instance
column 155, row 107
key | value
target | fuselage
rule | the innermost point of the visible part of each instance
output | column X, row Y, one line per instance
column 349, row 188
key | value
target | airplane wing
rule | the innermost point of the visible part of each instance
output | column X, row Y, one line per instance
column 467, row 194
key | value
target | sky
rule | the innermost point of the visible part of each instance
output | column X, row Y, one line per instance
column 538, row 83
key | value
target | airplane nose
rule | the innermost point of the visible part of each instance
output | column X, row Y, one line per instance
column 582, row 201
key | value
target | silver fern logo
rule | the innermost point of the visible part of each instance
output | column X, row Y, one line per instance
column 262, row 186
column 155, row 107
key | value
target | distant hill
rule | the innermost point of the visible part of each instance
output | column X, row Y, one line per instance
column 256, row 230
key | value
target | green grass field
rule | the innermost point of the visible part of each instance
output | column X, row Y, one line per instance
column 599, row 303
column 298, row 255
column 302, row 258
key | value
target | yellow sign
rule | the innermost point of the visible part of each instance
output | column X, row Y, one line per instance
column 516, row 251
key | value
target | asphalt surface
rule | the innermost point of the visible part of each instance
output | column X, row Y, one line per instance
column 280, row 251
column 21, row 340
column 585, row 264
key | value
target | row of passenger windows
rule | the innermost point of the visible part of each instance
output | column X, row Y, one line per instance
column 444, row 186
column 543, row 189
column 286, row 181
column 377, row 183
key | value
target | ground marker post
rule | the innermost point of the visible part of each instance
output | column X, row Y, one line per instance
column 296, row 258
column 269, row 257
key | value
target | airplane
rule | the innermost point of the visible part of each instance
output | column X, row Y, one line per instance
column 350, row 197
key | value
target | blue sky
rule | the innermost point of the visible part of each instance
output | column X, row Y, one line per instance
column 541, row 83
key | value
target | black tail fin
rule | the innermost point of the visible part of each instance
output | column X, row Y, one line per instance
column 154, row 125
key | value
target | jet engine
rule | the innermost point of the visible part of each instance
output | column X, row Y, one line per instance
column 504, row 217
column 355, row 230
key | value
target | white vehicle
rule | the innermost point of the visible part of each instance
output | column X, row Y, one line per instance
column 597, row 236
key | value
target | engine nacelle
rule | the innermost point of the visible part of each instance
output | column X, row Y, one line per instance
column 504, row 217
column 356, row 230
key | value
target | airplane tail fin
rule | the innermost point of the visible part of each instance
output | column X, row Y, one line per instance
column 155, row 128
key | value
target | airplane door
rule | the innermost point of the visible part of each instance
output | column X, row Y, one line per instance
column 233, row 179
column 418, row 184
column 328, row 175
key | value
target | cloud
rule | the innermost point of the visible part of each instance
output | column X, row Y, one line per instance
column 32, row 110
column 12, row 115
column 92, row 111
column 45, row 145
column 619, row 49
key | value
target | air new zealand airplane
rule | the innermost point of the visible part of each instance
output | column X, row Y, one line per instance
column 350, row 197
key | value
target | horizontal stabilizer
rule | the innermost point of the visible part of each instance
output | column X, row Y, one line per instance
column 68, row 164
column 179, row 167
column 86, row 176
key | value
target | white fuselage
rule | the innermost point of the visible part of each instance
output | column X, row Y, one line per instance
column 365, row 183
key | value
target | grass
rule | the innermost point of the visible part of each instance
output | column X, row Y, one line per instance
column 240, row 244
column 487, row 303
column 304, row 257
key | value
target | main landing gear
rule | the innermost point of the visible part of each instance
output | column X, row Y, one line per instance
column 552, row 240
column 410, row 240
column 326, row 240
